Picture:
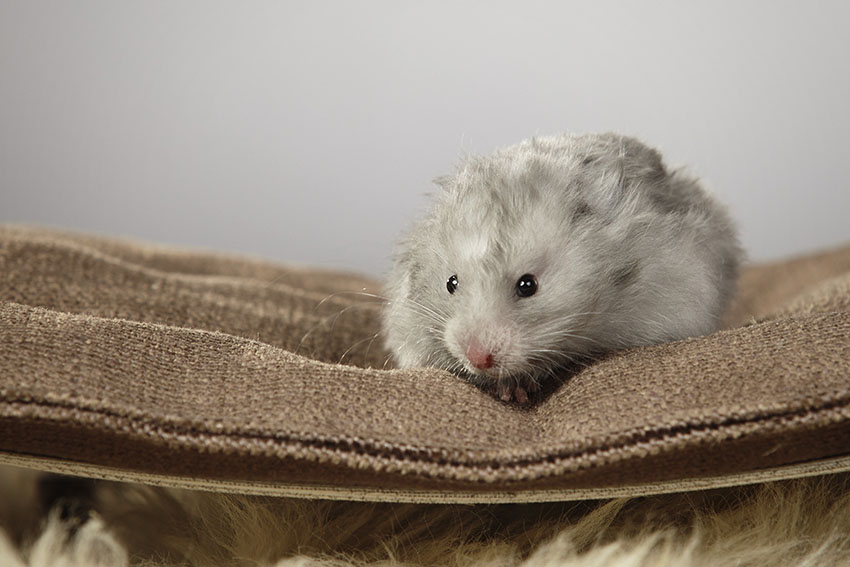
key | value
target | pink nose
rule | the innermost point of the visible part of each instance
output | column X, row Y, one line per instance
column 480, row 357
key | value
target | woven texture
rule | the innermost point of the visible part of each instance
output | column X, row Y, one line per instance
column 197, row 364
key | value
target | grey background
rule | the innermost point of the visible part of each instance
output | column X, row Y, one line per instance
column 309, row 132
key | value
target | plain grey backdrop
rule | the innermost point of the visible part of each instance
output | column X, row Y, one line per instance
column 309, row 132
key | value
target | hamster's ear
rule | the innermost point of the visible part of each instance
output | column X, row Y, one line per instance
column 640, row 163
column 625, row 164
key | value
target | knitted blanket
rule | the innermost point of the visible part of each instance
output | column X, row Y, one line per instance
column 131, row 361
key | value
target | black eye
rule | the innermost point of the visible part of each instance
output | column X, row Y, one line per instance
column 451, row 284
column 526, row 285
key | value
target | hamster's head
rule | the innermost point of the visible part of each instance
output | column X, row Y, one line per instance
column 539, row 255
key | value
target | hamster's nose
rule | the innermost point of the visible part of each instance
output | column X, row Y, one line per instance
column 480, row 356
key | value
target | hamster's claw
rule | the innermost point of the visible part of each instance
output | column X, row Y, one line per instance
column 520, row 394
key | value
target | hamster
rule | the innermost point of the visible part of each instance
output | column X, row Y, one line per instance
column 552, row 251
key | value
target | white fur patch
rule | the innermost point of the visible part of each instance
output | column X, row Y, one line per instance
column 475, row 247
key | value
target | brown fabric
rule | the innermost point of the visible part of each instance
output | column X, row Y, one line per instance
column 197, row 364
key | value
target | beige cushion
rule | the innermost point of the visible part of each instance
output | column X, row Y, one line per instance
column 126, row 360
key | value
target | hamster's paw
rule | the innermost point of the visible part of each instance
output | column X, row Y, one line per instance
column 520, row 393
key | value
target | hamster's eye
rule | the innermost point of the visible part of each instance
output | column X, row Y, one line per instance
column 526, row 285
column 451, row 284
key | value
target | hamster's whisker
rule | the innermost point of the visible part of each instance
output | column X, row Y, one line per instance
column 386, row 360
column 349, row 349
column 557, row 335
column 351, row 292
column 582, row 314
column 424, row 310
column 535, row 377
column 454, row 366
column 544, row 355
column 323, row 321
column 431, row 353
column 584, row 360
column 369, row 346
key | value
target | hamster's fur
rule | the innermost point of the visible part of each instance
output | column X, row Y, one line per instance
column 622, row 252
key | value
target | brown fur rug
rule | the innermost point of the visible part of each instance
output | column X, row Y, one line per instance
column 48, row 521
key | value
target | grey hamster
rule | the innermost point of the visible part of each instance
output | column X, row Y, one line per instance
column 553, row 250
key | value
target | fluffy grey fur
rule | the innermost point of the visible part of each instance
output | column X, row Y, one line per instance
column 624, row 252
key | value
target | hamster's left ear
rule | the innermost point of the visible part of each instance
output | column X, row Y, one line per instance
column 628, row 164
